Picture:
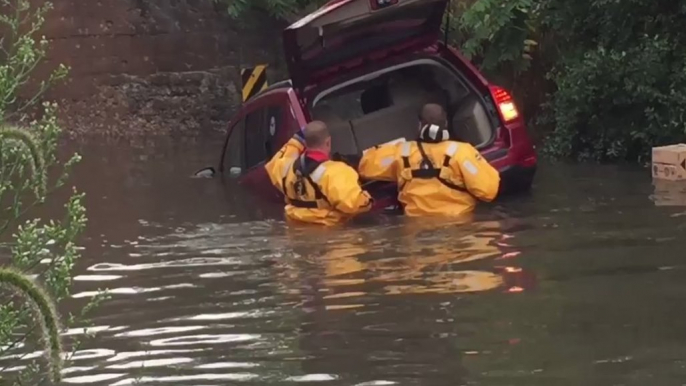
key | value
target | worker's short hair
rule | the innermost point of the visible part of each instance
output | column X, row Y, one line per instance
column 316, row 133
column 433, row 114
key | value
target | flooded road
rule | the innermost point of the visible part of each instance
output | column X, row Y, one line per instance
column 580, row 283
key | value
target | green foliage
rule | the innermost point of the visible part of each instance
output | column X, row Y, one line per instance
column 496, row 33
column 43, row 311
column 616, row 67
column 613, row 104
column 20, row 53
column 44, row 250
column 36, row 163
column 619, row 76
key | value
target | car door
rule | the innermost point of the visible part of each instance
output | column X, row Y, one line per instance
column 269, row 122
column 261, row 141
column 232, row 163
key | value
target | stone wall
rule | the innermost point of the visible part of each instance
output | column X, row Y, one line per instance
column 154, row 66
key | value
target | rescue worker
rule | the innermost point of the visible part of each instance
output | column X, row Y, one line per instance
column 316, row 189
column 435, row 176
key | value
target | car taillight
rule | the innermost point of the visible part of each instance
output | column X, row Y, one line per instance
column 378, row 4
column 505, row 104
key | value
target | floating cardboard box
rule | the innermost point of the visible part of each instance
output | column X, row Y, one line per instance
column 669, row 193
column 669, row 162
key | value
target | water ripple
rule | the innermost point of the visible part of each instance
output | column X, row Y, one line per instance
column 186, row 340
column 187, row 378
column 225, row 365
column 158, row 331
column 179, row 263
column 150, row 363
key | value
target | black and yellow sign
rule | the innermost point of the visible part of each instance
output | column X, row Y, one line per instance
column 254, row 80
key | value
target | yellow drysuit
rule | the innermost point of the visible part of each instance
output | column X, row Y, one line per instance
column 443, row 178
column 326, row 193
column 286, row 155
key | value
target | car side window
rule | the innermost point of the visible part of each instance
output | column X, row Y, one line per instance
column 254, row 139
column 262, row 126
column 274, row 122
column 234, row 156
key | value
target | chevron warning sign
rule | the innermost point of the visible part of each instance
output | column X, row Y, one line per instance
column 254, row 80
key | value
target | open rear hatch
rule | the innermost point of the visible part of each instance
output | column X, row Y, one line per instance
column 347, row 30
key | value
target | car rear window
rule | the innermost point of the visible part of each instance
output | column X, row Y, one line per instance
column 355, row 102
column 347, row 106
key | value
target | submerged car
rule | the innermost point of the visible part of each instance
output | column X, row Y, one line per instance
column 366, row 67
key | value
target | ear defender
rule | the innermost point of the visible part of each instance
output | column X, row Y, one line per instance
column 433, row 133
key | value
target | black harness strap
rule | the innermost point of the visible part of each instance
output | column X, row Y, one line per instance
column 427, row 170
column 303, row 204
column 303, row 168
column 307, row 172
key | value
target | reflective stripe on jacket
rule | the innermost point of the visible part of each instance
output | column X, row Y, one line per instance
column 444, row 178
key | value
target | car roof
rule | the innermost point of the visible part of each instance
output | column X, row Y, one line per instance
column 276, row 86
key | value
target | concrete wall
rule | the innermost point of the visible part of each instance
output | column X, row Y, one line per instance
column 154, row 66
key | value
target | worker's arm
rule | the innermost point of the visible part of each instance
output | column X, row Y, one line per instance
column 341, row 187
column 480, row 178
column 284, row 158
column 379, row 163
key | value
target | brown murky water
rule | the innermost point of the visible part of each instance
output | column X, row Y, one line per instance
column 580, row 283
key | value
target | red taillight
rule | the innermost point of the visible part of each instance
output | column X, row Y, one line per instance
column 378, row 4
column 505, row 103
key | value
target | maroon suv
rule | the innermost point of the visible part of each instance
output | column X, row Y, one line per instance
column 365, row 67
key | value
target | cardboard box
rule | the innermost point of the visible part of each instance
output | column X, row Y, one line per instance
column 669, row 193
column 669, row 162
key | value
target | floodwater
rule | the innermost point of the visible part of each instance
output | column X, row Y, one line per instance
column 580, row 283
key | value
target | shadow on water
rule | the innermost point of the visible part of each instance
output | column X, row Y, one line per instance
column 578, row 283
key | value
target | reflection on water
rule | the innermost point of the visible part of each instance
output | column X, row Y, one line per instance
column 579, row 283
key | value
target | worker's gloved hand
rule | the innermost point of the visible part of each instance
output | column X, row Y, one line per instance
column 353, row 160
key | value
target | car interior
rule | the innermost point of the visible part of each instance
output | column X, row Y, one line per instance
column 382, row 108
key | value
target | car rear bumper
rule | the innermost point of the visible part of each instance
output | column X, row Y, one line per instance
column 516, row 179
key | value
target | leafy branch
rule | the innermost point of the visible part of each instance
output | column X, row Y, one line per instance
column 43, row 311
column 39, row 251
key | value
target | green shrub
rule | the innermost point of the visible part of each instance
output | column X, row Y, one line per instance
column 619, row 76
column 616, row 69
column 616, row 105
column 38, row 251
column 496, row 34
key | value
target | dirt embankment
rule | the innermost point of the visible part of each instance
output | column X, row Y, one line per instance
column 153, row 66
